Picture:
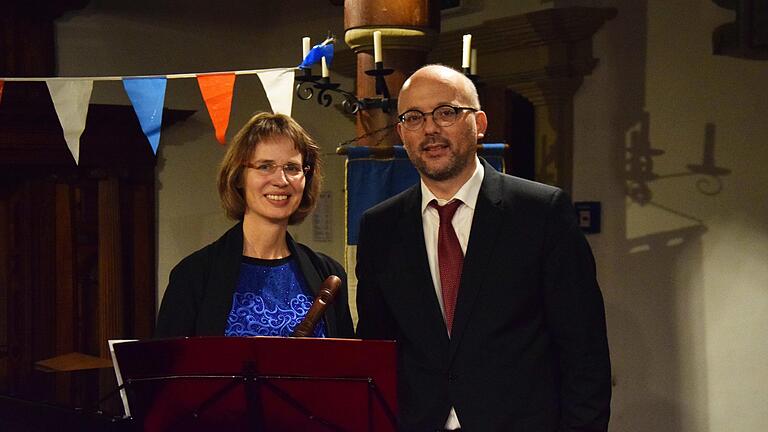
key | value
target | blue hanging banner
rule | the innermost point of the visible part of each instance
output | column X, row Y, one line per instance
column 316, row 53
column 371, row 181
column 147, row 96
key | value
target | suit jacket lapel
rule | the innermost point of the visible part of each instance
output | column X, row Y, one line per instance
column 486, row 225
column 416, row 280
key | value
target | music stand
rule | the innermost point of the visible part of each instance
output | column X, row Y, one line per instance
column 260, row 383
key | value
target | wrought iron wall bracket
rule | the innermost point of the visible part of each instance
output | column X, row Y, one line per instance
column 308, row 83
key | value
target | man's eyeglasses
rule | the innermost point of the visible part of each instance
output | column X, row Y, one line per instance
column 444, row 115
column 292, row 171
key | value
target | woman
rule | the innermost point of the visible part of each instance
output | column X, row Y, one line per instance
column 255, row 279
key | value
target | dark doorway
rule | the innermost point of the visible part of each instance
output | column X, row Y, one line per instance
column 511, row 120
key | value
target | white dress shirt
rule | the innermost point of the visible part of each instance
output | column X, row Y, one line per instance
column 462, row 224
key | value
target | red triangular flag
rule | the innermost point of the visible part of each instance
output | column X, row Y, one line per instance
column 217, row 94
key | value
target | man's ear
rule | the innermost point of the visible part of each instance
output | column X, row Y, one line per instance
column 481, row 121
column 399, row 129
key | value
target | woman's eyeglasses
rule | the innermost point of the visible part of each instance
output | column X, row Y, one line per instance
column 292, row 171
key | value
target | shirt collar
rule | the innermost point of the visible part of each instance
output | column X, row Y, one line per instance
column 467, row 193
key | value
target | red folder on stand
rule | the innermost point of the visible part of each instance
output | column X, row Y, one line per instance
column 260, row 384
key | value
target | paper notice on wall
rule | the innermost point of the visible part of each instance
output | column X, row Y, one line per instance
column 322, row 221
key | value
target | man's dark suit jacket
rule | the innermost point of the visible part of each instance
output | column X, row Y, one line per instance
column 528, row 350
column 198, row 299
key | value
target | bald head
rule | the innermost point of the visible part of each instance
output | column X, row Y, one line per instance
column 441, row 148
column 436, row 74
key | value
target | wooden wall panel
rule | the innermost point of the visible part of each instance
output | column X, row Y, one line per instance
column 111, row 299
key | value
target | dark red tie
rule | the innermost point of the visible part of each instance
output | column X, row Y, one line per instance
column 450, row 259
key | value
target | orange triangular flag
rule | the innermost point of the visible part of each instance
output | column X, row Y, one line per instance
column 1, row 89
column 217, row 94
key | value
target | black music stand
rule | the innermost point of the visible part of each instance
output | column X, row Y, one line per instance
column 260, row 384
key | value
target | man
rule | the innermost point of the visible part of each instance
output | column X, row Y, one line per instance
column 497, row 313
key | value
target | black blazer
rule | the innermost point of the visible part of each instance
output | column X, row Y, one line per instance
column 198, row 299
column 528, row 350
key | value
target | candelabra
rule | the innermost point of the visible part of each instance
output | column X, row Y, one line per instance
column 472, row 77
column 308, row 83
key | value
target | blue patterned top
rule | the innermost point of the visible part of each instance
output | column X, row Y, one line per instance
column 271, row 299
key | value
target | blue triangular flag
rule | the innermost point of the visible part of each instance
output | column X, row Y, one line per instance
column 317, row 52
column 147, row 96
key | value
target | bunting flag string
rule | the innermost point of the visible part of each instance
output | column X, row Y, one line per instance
column 71, row 100
column 71, row 97
column 185, row 75
column 147, row 96
column 277, row 84
column 217, row 94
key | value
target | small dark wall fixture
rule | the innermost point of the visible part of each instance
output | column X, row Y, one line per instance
column 589, row 216
column 747, row 35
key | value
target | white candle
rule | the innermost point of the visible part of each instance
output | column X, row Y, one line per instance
column 473, row 62
column 325, row 68
column 304, row 47
column 465, row 50
column 377, row 46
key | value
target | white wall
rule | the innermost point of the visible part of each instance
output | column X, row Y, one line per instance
column 684, row 274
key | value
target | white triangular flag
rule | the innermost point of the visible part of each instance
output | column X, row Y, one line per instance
column 278, row 84
column 71, row 99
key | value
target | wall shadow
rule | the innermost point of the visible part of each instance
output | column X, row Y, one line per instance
column 652, row 256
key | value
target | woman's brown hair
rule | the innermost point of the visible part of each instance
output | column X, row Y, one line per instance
column 263, row 126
